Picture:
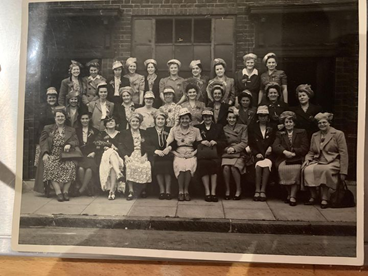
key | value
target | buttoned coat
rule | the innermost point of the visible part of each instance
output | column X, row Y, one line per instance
column 91, row 88
column 257, row 143
column 46, row 140
column 111, row 89
column 66, row 86
column 244, row 82
column 305, row 120
column 299, row 145
column 95, row 108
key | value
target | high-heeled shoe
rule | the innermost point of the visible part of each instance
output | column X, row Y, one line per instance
column 262, row 196
column 214, row 198
column 168, row 196
column 227, row 197
column 292, row 201
column 256, row 196
column 324, row 204
column 60, row 197
column 130, row 196
column 161, row 196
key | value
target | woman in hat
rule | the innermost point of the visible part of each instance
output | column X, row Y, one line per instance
column 162, row 164
column 186, row 137
column 124, row 110
column 136, row 150
column 100, row 108
column 273, row 75
column 55, row 139
column 151, row 81
column 91, row 81
column 174, row 81
column 220, row 108
column 170, row 108
column 219, row 66
column 290, row 147
column 73, row 82
column 108, row 144
column 213, row 138
column 193, row 104
column 261, row 138
column 116, row 83
column 247, row 111
column 274, row 104
column 233, row 159
column 136, row 80
column 327, row 160
column 248, row 78
column 147, row 111
column 46, row 117
column 198, row 80
column 87, row 167
column 306, row 111
column 73, row 109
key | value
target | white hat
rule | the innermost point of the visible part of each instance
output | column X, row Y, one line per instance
column 183, row 111
column 217, row 61
column 168, row 90
column 130, row 61
column 149, row 95
column 267, row 56
column 51, row 91
column 174, row 61
column 148, row 61
column 263, row 109
column 194, row 63
column 117, row 64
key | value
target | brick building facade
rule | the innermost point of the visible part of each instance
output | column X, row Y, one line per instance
column 316, row 43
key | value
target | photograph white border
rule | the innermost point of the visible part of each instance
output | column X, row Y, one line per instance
column 190, row 255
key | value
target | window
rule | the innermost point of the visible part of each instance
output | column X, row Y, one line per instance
column 186, row 39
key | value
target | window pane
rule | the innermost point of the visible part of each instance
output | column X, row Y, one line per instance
column 185, row 55
column 164, row 30
column 163, row 55
column 225, row 52
column 143, row 31
column 142, row 53
column 183, row 30
column 203, row 53
column 202, row 30
column 224, row 31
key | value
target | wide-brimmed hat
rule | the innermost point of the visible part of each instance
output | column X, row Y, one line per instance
column 149, row 95
column 174, row 61
column 263, row 109
column 117, row 64
column 51, row 91
column 148, row 61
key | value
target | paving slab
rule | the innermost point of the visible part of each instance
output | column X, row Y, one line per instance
column 32, row 202
column 249, row 214
column 341, row 214
column 118, row 200
column 161, row 211
column 66, row 208
column 202, row 211
column 199, row 202
column 300, row 212
column 107, row 209
column 154, row 202
column 245, row 204
column 80, row 200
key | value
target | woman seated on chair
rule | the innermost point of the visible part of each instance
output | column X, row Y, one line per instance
column 290, row 147
column 327, row 160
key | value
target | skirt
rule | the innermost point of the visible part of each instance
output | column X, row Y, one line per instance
column 316, row 174
column 88, row 163
column 183, row 165
column 163, row 165
column 289, row 174
column 138, row 168
column 238, row 163
column 106, row 167
column 208, row 166
column 59, row 171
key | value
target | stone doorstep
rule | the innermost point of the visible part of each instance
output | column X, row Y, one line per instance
column 195, row 225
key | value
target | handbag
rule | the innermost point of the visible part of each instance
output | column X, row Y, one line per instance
column 204, row 152
column 342, row 197
column 74, row 154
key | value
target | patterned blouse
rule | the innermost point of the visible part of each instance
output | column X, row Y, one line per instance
column 172, row 112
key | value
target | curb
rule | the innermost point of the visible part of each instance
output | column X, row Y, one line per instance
column 193, row 225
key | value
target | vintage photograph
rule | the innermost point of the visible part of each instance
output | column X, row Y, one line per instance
column 192, row 129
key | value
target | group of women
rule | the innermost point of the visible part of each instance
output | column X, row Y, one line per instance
column 135, row 129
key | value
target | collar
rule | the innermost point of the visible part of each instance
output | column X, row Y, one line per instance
column 254, row 72
column 96, row 78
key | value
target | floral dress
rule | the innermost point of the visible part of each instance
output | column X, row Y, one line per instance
column 172, row 112
column 138, row 168
column 54, row 168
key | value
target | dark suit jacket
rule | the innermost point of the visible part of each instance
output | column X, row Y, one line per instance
column 119, row 114
column 66, row 86
column 156, row 91
column 127, row 144
column 88, row 147
column 275, row 110
column 152, row 135
column 253, row 84
column 215, row 133
column 305, row 120
column 256, row 142
column 111, row 89
column 299, row 146
column 222, row 113
column 46, row 139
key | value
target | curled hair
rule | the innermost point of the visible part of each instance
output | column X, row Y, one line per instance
column 191, row 86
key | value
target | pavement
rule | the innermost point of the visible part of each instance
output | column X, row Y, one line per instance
column 243, row 216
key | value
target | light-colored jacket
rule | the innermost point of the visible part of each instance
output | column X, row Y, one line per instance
column 95, row 108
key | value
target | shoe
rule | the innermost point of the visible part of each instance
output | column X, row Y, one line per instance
column 262, row 198
column 214, row 198
column 292, row 202
column 162, row 196
column 181, row 197
column 143, row 194
column 168, row 196
column 120, row 177
column 287, row 200
column 60, row 197
column 109, row 197
column 130, row 196
column 112, row 195
column 208, row 198
column 187, row 197
column 66, row 196
column 227, row 197
column 237, row 197
column 311, row 201
column 256, row 196
column 324, row 205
